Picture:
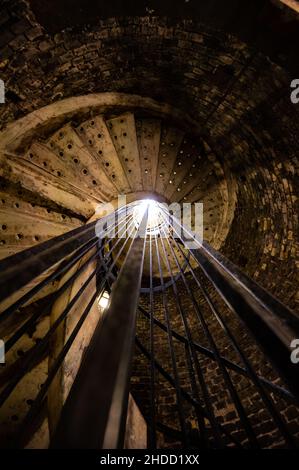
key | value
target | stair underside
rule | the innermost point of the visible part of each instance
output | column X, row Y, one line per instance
column 60, row 179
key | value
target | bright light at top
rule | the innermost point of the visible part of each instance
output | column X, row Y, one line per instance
column 155, row 216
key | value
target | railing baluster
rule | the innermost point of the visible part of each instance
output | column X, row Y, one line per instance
column 19, row 269
column 282, row 392
column 152, row 350
column 250, row 371
column 95, row 411
column 39, row 347
column 233, row 393
column 210, row 411
column 31, row 321
column 271, row 324
column 185, row 395
column 172, row 352
column 98, row 399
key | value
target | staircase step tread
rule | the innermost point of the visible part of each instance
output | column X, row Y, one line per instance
column 123, row 134
column 148, row 136
column 170, row 142
column 96, row 137
column 37, row 180
column 185, row 167
column 67, row 145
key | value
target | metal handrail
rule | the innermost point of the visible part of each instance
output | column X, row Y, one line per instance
column 101, row 410
column 271, row 323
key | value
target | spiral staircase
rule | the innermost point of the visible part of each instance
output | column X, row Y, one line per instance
column 63, row 167
column 59, row 180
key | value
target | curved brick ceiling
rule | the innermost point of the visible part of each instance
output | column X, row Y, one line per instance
column 267, row 24
column 238, row 96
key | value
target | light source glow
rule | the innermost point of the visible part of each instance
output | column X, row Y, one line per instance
column 103, row 301
column 155, row 219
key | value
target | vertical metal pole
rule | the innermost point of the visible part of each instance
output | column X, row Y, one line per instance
column 234, row 395
column 38, row 348
column 236, row 299
column 172, row 354
column 152, row 352
column 209, row 407
column 94, row 415
column 53, row 370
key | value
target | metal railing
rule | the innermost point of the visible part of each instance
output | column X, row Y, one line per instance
column 94, row 413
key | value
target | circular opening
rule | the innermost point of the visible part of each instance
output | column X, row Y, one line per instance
column 156, row 216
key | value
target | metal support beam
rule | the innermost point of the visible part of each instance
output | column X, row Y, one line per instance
column 94, row 414
column 272, row 325
column 273, row 329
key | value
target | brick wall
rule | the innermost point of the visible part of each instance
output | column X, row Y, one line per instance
column 239, row 96
column 222, row 403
